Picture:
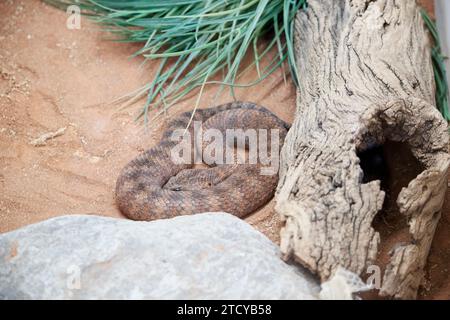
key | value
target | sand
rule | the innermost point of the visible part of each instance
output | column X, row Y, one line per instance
column 56, row 87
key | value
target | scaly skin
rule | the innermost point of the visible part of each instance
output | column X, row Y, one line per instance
column 148, row 188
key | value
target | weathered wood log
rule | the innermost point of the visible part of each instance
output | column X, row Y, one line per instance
column 366, row 78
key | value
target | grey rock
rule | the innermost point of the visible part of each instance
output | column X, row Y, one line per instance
column 205, row 256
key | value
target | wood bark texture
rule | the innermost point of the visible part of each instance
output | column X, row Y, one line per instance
column 366, row 76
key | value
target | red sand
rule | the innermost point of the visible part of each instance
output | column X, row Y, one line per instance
column 52, row 77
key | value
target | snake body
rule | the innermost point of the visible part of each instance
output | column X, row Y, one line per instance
column 153, row 187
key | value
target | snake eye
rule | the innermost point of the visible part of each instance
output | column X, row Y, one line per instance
column 176, row 189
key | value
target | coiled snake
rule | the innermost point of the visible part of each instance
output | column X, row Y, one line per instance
column 153, row 187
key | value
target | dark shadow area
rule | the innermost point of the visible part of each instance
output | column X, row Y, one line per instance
column 395, row 166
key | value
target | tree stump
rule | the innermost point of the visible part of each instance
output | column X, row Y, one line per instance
column 366, row 79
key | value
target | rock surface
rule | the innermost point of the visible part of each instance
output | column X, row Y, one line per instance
column 206, row 256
